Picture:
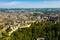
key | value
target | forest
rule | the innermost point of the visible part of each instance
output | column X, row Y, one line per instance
column 47, row 30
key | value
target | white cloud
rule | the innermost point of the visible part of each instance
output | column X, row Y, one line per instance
column 30, row 4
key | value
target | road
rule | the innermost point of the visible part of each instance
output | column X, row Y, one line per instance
column 17, row 28
column 3, row 29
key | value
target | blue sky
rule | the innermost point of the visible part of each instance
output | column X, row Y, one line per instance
column 26, row 0
column 29, row 3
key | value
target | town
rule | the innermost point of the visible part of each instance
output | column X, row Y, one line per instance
column 11, row 20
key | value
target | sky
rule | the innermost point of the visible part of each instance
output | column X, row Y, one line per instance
column 29, row 3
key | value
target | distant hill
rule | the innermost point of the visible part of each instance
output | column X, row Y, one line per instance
column 48, row 9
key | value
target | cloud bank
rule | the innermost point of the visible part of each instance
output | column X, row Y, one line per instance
column 30, row 4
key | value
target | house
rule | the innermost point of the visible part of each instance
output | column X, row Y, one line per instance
column 45, row 19
column 52, row 19
column 41, row 38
